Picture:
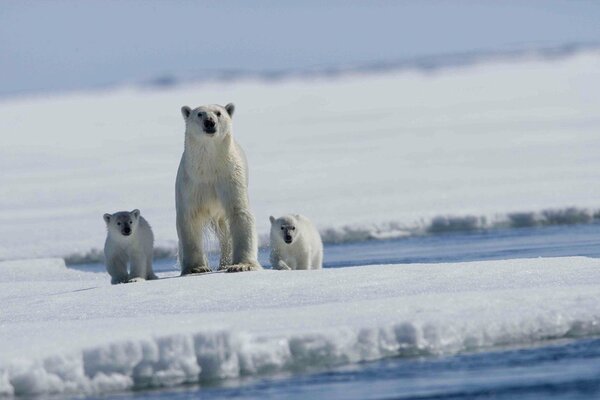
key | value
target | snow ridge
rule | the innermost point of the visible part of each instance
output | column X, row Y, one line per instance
column 207, row 356
column 426, row 63
column 466, row 223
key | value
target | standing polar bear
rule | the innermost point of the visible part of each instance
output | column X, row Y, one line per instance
column 295, row 243
column 211, row 190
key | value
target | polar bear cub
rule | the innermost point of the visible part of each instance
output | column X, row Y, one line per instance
column 295, row 243
column 129, row 240
column 211, row 190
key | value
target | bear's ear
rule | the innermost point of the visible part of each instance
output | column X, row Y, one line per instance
column 230, row 109
column 135, row 213
column 186, row 111
column 107, row 218
column 272, row 219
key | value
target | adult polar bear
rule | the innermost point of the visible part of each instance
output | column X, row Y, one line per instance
column 212, row 190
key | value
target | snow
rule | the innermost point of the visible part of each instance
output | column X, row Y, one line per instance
column 66, row 331
column 363, row 156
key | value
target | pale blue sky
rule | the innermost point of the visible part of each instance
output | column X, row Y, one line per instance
column 64, row 45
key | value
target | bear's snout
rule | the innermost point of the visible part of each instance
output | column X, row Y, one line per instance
column 127, row 231
column 209, row 126
column 287, row 239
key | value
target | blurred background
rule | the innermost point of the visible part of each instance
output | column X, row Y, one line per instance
column 54, row 46
column 379, row 120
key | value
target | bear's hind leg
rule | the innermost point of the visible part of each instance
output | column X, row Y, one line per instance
column 318, row 260
column 224, row 235
column 149, row 272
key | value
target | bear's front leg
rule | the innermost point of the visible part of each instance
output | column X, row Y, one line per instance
column 243, row 234
column 138, row 267
column 191, row 249
column 276, row 261
column 117, row 269
column 282, row 266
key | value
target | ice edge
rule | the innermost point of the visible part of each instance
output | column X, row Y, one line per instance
column 441, row 224
column 203, row 357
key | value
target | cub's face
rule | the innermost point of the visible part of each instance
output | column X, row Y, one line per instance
column 208, row 122
column 122, row 223
column 284, row 228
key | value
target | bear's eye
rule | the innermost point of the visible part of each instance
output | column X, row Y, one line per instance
column 293, row 228
column 118, row 223
column 282, row 228
column 130, row 222
column 199, row 115
column 218, row 113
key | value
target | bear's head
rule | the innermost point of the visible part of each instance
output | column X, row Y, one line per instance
column 122, row 223
column 284, row 228
column 212, row 122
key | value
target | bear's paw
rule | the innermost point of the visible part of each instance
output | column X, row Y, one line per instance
column 243, row 267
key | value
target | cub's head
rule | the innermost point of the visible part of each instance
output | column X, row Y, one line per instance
column 122, row 223
column 208, row 122
column 284, row 228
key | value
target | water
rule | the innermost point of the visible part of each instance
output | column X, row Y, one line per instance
column 567, row 369
column 553, row 241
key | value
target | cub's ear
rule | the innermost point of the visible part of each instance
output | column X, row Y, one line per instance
column 186, row 111
column 230, row 109
column 107, row 218
column 135, row 213
column 272, row 219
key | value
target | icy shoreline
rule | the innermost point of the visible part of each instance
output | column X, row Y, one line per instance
column 395, row 230
column 95, row 338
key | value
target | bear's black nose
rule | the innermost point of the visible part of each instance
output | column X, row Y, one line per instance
column 209, row 123
column 288, row 239
column 127, row 231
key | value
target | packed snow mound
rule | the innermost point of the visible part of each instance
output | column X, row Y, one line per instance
column 79, row 334
column 363, row 156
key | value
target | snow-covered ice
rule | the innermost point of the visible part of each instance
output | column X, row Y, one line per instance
column 67, row 331
column 363, row 156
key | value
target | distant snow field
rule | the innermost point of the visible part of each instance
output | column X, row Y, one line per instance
column 66, row 331
column 363, row 156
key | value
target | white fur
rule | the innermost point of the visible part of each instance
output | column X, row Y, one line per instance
column 306, row 249
column 211, row 190
column 135, row 249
